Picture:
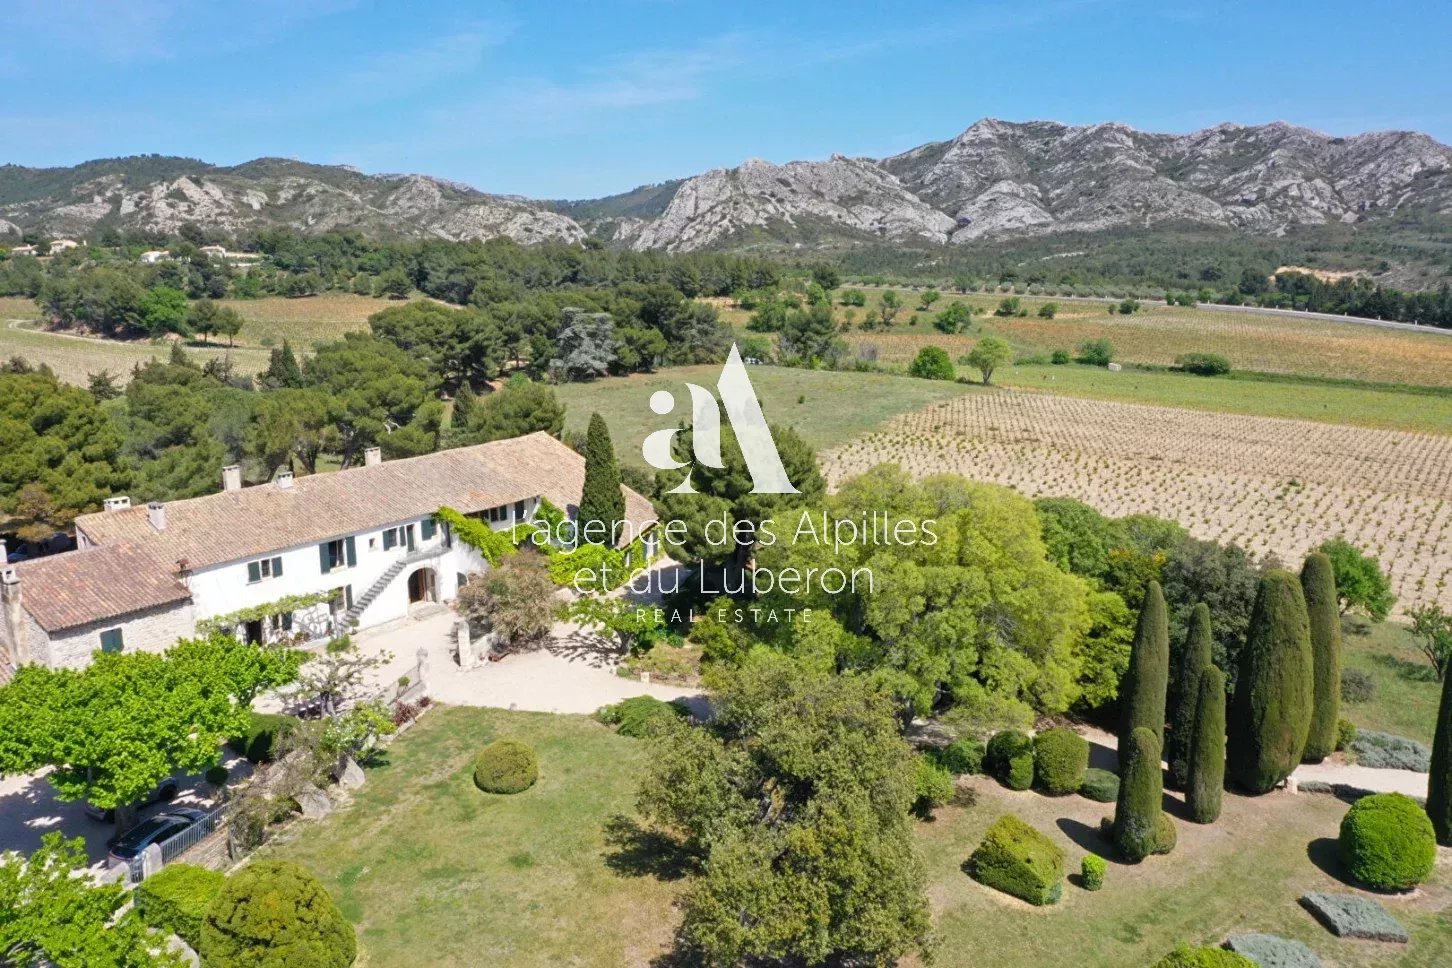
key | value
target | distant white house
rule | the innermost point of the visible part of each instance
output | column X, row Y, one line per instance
column 24, row 250
column 358, row 547
column 214, row 251
column 61, row 245
column 154, row 256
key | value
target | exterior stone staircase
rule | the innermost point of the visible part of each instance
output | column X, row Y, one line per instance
column 360, row 605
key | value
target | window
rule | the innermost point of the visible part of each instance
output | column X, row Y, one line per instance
column 112, row 641
column 426, row 529
column 519, row 510
column 262, row 569
column 394, row 537
column 339, row 553
column 496, row 515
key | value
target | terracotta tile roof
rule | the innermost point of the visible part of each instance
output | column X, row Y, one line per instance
column 81, row 587
column 235, row 525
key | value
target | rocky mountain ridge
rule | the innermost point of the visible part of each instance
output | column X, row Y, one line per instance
column 996, row 179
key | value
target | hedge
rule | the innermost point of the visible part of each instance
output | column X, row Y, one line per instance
column 1186, row 957
column 1016, row 859
column 273, row 914
column 1091, row 871
column 1099, row 785
column 1061, row 757
column 1009, row 759
column 506, row 766
column 1387, row 842
column 639, row 716
column 176, row 899
column 963, row 755
column 259, row 743
column 1354, row 916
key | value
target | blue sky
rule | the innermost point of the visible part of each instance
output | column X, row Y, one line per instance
column 553, row 99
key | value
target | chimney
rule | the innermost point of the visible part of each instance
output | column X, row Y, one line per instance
column 14, row 630
column 232, row 477
column 372, row 456
column 283, row 480
column 156, row 514
column 119, row 503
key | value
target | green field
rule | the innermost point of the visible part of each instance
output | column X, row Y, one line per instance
column 1407, row 693
column 433, row 871
column 826, row 408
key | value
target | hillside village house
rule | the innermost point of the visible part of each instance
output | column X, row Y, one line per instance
column 61, row 245
column 24, row 250
column 152, row 256
column 363, row 542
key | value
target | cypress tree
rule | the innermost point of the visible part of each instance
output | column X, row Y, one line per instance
column 1137, row 814
column 1271, row 711
column 1318, row 583
column 1143, row 691
column 1439, row 782
column 1207, row 748
column 464, row 403
column 1194, row 658
column 282, row 370
column 601, row 500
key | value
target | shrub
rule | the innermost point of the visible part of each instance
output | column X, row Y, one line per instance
column 1060, row 357
column 1383, row 751
column 506, row 766
column 1271, row 711
column 933, row 363
column 1357, row 686
column 1140, row 826
column 1186, row 957
column 1099, row 785
column 963, row 755
column 1345, row 734
column 1207, row 750
column 1203, row 364
column 1318, row 582
column 933, row 786
column 1354, row 916
column 176, row 899
column 1267, row 949
column 1016, row 859
column 1387, row 842
column 259, row 743
column 217, row 776
column 272, row 914
column 640, row 716
column 1061, row 756
column 1091, row 871
column 1009, row 758
column 1096, row 352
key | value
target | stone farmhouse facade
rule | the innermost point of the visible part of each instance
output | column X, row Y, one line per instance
column 358, row 547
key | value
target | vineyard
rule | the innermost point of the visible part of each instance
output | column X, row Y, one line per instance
column 1270, row 485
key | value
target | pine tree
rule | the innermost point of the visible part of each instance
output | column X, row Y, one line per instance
column 1194, row 657
column 464, row 403
column 1207, row 748
column 1439, row 783
column 1318, row 583
column 1143, row 692
column 602, row 503
column 1138, row 818
column 1271, row 711
column 283, row 372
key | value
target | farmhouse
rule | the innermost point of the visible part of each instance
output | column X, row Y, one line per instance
column 299, row 558
column 62, row 245
column 24, row 250
column 153, row 256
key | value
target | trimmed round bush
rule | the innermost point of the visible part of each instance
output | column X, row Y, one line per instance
column 932, row 363
column 1186, row 957
column 1099, row 785
column 1009, row 758
column 506, row 766
column 1357, row 686
column 1345, row 734
column 1061, row 757
column 1091, row 872
column 963, row 755
column 1387, row 842
column 1016, row 859
column 640, row 716
column 273, row 914
column 176, row 900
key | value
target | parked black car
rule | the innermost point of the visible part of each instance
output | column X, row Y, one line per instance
column 161, row 827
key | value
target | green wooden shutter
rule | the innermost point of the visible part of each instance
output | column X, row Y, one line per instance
column 352, row 551
column 112, row 640
column 326, row 563
column 254, row 571
column 277, row 567
column 389, row 537
column 426, row 527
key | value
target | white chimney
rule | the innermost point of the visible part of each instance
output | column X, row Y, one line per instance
column 232, row 477
column 156, row 514
column 372, row 456
column 283, row 480
column 120, row 503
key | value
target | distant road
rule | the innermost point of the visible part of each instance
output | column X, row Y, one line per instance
column 1217, row 307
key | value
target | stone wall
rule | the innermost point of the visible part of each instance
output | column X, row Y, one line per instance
column 154, row 630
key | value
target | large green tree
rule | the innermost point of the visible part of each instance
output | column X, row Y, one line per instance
column 380, row 395
column 1196, row 656
column 1318, row 583
column 1143, row 693
column 602, row 502
column 1270, row 714
column 1361, row 586
column 796, row 799
column 520, row 407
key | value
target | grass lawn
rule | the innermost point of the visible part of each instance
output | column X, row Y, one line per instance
column 826, row 408
column 434, row 872
column 1407, row 693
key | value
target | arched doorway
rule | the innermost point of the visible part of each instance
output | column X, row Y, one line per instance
column 423, row 586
